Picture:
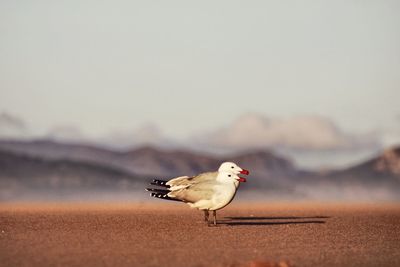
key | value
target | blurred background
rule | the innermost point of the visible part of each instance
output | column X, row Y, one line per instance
column 99, row 97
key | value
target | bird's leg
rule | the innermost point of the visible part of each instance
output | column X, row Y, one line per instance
column 206, row 216
column 215, row 217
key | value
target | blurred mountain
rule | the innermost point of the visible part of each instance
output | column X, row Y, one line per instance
column 313, row 141
column 383, row 168
column 41, row 164
column 252, row 131
column 23, row 175
column 147, row 134
column 149, row 160
column 268, row 170
column 66, row 133
column 12, row 126
column 53, row 150
column 377, row 179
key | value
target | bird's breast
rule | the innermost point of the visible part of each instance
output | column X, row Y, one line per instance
column 223, row 196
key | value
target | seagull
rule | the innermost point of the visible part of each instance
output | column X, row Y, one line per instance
column 206, row 191
column 207, row 176
column 207, row 195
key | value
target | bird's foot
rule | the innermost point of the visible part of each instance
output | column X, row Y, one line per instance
column 212, row 224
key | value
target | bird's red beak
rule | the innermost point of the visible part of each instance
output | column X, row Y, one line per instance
column 242, row 180
column 246, row 172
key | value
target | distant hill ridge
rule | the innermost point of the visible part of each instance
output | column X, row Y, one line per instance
column 21, row 175
column 151, row 161
column 37, row 166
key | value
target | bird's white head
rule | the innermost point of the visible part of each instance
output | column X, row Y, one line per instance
column 226, row 177
column 233, row 168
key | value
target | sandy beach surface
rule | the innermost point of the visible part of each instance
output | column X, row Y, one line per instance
column 172, row 234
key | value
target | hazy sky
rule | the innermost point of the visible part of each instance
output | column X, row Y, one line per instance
column 189, row 65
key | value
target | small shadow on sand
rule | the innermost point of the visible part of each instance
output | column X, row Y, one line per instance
column 234, row 221
column 276, row 218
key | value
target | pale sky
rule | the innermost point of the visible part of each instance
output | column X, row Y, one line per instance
column 193, row 65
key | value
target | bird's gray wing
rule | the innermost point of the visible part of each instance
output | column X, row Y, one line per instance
column 195, row 192
column 178, row 181
column 206, row 176
column 185, row 181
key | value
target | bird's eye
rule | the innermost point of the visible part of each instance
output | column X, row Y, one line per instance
column 229, row 175
column 232, row 167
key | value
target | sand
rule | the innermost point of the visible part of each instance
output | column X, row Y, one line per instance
column 172, row 234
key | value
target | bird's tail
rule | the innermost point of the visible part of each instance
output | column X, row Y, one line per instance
column 160, row 193
column 163, row 196
column 157, row 190
column 161, row 183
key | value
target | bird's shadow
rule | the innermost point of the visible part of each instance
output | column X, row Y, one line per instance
column 253, row 220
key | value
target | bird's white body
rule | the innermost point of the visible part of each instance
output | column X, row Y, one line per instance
column 223, row 195
column 207, row 194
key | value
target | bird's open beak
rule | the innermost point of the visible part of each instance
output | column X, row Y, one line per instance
column 242, row 180
column 243, row 171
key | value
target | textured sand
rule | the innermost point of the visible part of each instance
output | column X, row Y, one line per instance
column 174, row 235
